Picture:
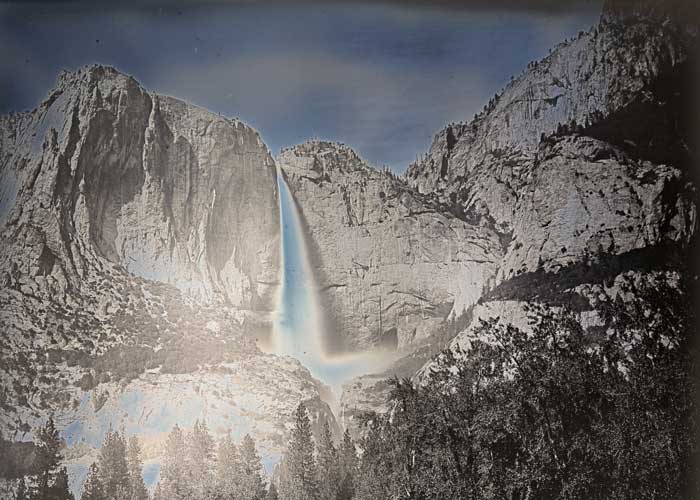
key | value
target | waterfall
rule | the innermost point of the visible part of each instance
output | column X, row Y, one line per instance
column 298, row 327
column 297, row 331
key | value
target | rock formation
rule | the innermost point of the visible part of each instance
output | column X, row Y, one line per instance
column 139, row 263
column 581, row 166
column 392, row 266
column 627, row 62
column 105, row 171
column 140, row 254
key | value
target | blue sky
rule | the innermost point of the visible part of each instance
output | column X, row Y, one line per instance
column 382, row 78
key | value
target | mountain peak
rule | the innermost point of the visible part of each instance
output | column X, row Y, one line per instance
column 323, row 156
column 680, row 12
column 93, row 73
column 312, row 147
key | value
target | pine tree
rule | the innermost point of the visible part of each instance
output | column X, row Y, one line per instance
column 347, row 457
column 48, row 457
column 52, row 479
column 158, row 492
column 133, row 458
column 201, row 461
column 174, row 475
column 252, row 485
column 272, row 492
column 375, row 470
column 113, row 466
column 328, row 466
column 92, row 488
column 228, row 469
column 21, row 493
column 299, row 468
column 60, row 488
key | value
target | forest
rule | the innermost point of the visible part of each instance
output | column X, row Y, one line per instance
column 555, row 412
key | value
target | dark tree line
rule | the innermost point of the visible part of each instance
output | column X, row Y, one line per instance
column 315, row 471
column 50, row 481
column 555, row 413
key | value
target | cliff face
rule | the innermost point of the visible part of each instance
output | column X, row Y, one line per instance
column 583, row 81
column 582, row 167
column 580, row 161
column 391, row 265
column 139, row 258
column 140, row 242
column 583, row 200
column 583, row 154
column 105, row 171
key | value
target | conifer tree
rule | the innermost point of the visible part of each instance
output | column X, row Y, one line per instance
column 201, row 461
column 328, row 466
column 252, row 486
column 92, row 488
column 228, row 469
column 48, row 457
column 272, row 492
column 21, row 493
column 299, row 473
column 158, row 492
column 52, row 479
column 60, row 489
column 137, row 486
column 347, row 457
column 113, row 466
column 174, row 475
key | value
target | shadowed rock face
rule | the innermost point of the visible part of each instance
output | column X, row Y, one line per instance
column 170, row 192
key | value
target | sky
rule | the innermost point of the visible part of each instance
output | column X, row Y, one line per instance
column 382, row 78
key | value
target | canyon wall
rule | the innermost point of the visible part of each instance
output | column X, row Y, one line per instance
column 140, row 262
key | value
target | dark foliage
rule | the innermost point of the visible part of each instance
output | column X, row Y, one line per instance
column 51, row 480
column 556, row 413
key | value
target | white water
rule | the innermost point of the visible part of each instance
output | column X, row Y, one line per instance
column 298, row 325
column 298, row 328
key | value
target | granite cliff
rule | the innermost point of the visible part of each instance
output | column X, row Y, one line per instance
column 140, row 255
column 105, row 171
column 391, row 265
column 581, row 166
column 140, row 264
